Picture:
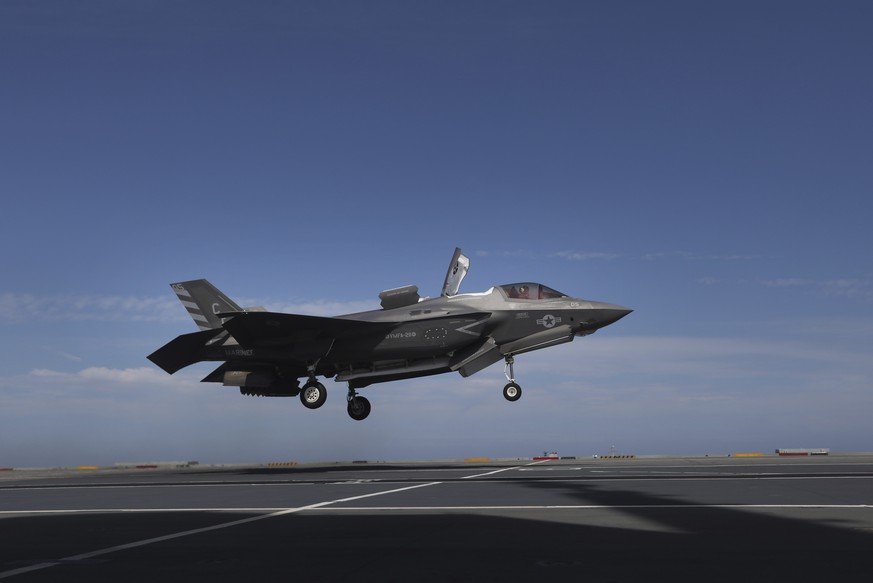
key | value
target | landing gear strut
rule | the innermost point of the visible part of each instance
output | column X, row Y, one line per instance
column 512, row 390
column 359, row 407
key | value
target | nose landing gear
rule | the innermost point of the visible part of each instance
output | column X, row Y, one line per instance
column 512, row 390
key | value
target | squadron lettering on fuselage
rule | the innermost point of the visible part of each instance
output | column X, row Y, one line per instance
column 400, row 335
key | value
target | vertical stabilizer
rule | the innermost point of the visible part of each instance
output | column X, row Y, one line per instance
column 204, row 302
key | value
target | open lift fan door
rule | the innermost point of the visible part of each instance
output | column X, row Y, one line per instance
column 455, row 275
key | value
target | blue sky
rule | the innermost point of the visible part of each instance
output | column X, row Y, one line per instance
column 707, row 164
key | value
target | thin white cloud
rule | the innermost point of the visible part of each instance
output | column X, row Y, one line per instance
column 841, row 287
column 708, row 281
column 22, row 307
column 110, row 376
column 569, row 255
column 17, row 307
column 734, row 257
column 667, row 255
column 646, row 393
column 851, row 288
column 587, row 256
column 689, row 256
column 517, row 253
column 324, row 308
column 787, row 282
column 609, row 256
column 66, row 355
column 683, row 359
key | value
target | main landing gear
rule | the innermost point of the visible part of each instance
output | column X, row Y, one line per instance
column 313, row 394
column 359, row 407
column 512, row 390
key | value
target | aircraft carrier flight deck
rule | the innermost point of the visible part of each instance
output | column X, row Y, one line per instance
column 645, row 519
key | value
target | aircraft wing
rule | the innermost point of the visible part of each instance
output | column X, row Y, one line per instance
column 269, row 329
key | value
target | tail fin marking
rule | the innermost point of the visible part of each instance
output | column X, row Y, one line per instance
column 204, row 302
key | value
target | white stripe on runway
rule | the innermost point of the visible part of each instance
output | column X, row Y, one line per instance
column 503, row 470
column 689, row 506
column 158, row 539
column 324, row 506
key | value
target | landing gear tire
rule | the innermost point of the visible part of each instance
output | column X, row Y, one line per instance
column 313, row 395
column 359, row 408
column 512, row 392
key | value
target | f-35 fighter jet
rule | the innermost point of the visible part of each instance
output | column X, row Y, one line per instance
column 266, row 353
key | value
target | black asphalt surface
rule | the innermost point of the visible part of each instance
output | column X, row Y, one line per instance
column 682, row 519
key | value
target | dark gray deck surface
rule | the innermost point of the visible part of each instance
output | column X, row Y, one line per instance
column 679, row 519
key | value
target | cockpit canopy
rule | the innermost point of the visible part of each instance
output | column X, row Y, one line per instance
column 531, row 291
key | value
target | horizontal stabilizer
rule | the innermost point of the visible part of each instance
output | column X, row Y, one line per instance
column 184, row 350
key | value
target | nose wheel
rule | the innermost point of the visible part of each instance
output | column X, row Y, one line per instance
column 359, row 407
column 512, row 390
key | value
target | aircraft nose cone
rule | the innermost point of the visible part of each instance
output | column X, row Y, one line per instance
column 609, row 313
